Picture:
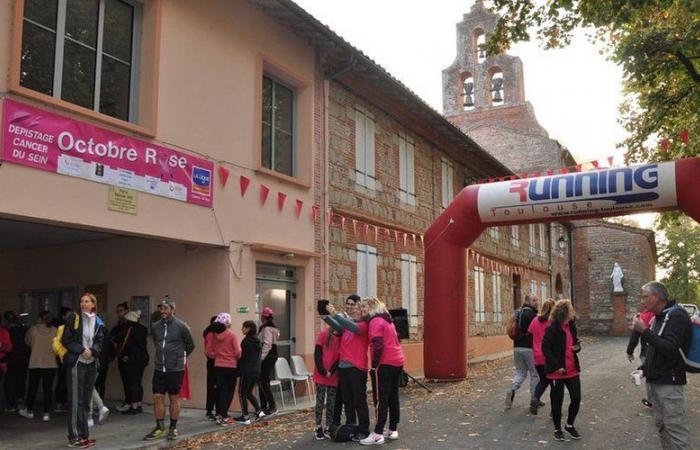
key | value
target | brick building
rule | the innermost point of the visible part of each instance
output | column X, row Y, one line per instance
column 597, row 246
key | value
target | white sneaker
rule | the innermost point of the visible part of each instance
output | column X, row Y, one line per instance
column 124, row 407
column 24, row 412
column 260, row 415
column 392, row 435
column 373, row 439
column 91, row 423
column 104, row 413
column 46, row 417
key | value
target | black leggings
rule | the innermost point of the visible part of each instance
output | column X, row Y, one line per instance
column 212, row 390
column 544, row 382
column 226, row 383
column 134, row 383
column 353, row 385
column 573, row 385
column 387, row 395
column 245, row 391
column 267, row 401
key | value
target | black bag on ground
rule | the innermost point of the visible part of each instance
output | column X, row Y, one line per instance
column 344, row 433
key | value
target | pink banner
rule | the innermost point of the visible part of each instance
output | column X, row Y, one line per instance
column 42, row 140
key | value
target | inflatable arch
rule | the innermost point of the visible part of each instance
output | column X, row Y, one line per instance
column 581, row 195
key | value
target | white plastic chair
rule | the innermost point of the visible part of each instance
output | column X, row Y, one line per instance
column 300, row 370
column 278, row 383
column 284, row 373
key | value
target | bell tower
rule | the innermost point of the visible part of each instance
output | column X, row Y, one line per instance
column 475, row 81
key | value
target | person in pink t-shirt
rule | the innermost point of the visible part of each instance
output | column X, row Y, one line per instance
column 224, row 348
column 536, row 329
column 326, row 358
column 560, row 346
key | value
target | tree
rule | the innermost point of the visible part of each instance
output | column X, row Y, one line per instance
column 679, row 257
column 657, row 44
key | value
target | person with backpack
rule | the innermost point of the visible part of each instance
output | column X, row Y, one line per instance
column 326, row 354
column 42, row 365
column 269, row 335
column 132, row 356
column 249, row 367
column 635, row 339
column 522, row 350
column 560, row 346
column 387, row 368
column 664, row 367
column 537, row 329
column 223, row 347
column 83, row 345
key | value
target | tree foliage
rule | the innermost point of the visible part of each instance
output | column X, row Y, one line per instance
column 657, row 44
column 679, row 257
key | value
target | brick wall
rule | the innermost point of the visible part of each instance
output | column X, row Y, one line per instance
column 606, row 244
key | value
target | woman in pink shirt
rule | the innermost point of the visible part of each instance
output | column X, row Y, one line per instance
column 560, row 345
column 225, row 350
column 326, row 358
column 536, row 329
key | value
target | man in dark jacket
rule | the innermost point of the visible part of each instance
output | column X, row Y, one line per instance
column 663, row 367
column 173, row 343
column 522, row 353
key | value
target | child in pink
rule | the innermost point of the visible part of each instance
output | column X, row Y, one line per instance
column 326, row 358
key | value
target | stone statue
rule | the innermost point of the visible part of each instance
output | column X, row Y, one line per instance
column 617, row 277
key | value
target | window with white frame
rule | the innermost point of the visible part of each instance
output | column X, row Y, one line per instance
column 544, row 290
column 543, row 241
column 515, row 236
column 479, row 313
column 364, row 149
column 531, row 232
column 409, row 290
column 278, row 127
column 533, row 288
column 497, row 316
column 447, row 182
column 83, row 52
column 407, row 190
column 366, row 271
column 495, row 233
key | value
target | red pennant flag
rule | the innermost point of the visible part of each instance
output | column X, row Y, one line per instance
column 245, row 181
column 501, row 178
column 512, row 177
column 685, row 136
column 314, row 212
column 596, row 164
column 342, row 223
column 354, row 226
column 264, row 191
column 550, row 172
column 299, row 205
column 610, row 160
column 281, row 197
column 564, row 170
column 223, row 175
column 579, row 167
column 665, row 144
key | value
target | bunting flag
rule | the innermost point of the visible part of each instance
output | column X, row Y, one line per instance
column 314, row 213
column 264, row 191
column 665, row 144
column 550, row 172
column 579, row 167
column 564, row 170
column 245, row 181
column 610, row 161
column 223, row 175
column 299, row 205
column 281, row 197
column 685, row 136
column 596, row 164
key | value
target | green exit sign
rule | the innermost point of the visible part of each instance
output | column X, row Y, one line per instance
column 242, row 310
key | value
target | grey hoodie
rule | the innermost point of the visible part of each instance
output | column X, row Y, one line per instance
column 173, row 342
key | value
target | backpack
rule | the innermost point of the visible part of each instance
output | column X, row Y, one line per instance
column 513, row 327
column 344, row 433
column 692, row 359
column 58, row 348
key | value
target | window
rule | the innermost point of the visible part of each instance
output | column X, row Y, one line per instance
column 531, row 231
column 544, row 290
column 447, row 182
column 543, row 240
column 495, row 233
column 366, row 271
column 497, row 316
column 278, row 127
column 514, row 236
column 407, row 191
column 479, row 294
column 533, row 287
column 83, row 52
column 409, row 290
column 364, row 150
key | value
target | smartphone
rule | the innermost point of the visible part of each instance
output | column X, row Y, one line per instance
column 321, row 307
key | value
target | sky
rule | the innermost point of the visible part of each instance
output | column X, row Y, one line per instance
column 575, row 91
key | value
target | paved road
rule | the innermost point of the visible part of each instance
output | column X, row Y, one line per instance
column 471, row 414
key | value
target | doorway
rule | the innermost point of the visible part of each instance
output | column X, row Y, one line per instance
column 276, row 289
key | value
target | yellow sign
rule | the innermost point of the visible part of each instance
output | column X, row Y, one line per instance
column 122, row 200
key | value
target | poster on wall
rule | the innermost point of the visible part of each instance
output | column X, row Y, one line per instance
column 42, row 140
